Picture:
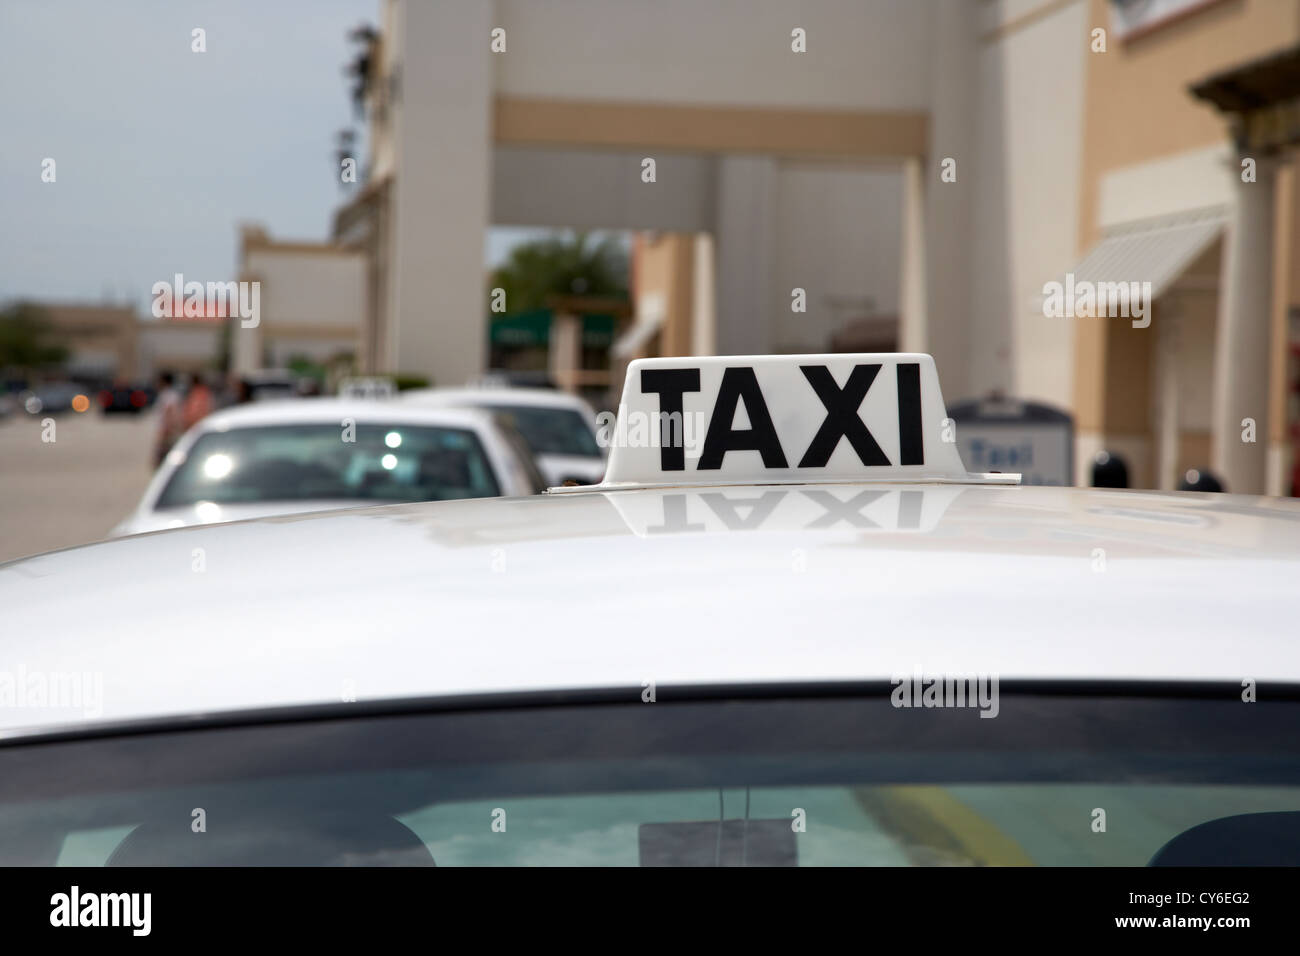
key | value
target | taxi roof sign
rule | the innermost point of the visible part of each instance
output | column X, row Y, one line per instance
column 372, row 386
column 784, row 419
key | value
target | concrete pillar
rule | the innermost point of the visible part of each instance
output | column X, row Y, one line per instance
column 913, row 321
column 704, row 317
column 959, row 124
column 437, row 306
column 1285, row 271
column 1168, row 425
column 675, row 335
column 1241, row 346
column 745, row 227
column 246, row 343
column 565, row 352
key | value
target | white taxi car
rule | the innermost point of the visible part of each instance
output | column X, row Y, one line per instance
column 317, row 454
column 788, row 629
column 560, row 429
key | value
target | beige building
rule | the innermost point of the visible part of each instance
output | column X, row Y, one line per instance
column 312, row 302
column 910, row 172
column 102, row 340
column 755, row 154
column 186, row 347
column 111, row 343
column 1167, row 195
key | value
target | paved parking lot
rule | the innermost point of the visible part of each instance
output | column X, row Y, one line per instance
column 74, row 489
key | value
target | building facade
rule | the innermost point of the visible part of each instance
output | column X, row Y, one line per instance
column 312, row 299
column 841, row 168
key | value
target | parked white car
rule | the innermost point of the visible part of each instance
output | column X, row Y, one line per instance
column 318, row 454
column 558, row 427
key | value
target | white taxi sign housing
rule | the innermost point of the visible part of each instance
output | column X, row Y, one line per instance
column 376, row 387
column 784, row 419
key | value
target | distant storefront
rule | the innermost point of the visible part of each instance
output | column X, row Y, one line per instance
column 566, row 346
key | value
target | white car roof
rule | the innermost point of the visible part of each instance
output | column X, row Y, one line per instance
column 738, row 585
column 363, row 411
column 536, row 397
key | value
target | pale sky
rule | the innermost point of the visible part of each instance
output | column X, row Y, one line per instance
column 161, row 152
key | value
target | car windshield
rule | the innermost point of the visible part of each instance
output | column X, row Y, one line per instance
column 830, row 780
column 328, row 461
column 552, row 431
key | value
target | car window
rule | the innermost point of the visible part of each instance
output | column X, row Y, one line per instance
column 830, row 781
column 327, row 461
column 552, row 431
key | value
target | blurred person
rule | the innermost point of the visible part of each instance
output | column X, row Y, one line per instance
column 1109, row 471
column 199, row 402
column 171, row 419
column 237, row 390
column 1199, row 480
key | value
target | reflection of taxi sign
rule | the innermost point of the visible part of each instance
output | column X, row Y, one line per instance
column 784, row 419
column 367, row 388
column 675, row 510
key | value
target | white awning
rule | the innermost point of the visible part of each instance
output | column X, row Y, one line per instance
column 650, row 318
column 1156, row 250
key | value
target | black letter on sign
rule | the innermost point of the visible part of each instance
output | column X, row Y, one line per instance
column 670, row 384
column 738, row 384
column 910, row 440
column 842, row 416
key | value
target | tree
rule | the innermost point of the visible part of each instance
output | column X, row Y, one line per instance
column 26, row 339
column 362, row 68
column 561, row 266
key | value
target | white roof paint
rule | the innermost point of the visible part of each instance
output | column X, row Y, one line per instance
column 681, row 586
column 362, row 410
column 494, row 396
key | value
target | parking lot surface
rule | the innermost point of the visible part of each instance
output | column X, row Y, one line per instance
column 74, row 489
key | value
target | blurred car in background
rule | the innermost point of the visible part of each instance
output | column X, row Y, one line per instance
column 513, row 378
column 126, row 398
column 272, row 383
column 559, row 429
column 321, row 454
column 50, row 399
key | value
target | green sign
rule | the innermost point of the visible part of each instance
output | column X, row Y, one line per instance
column 533, row 330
